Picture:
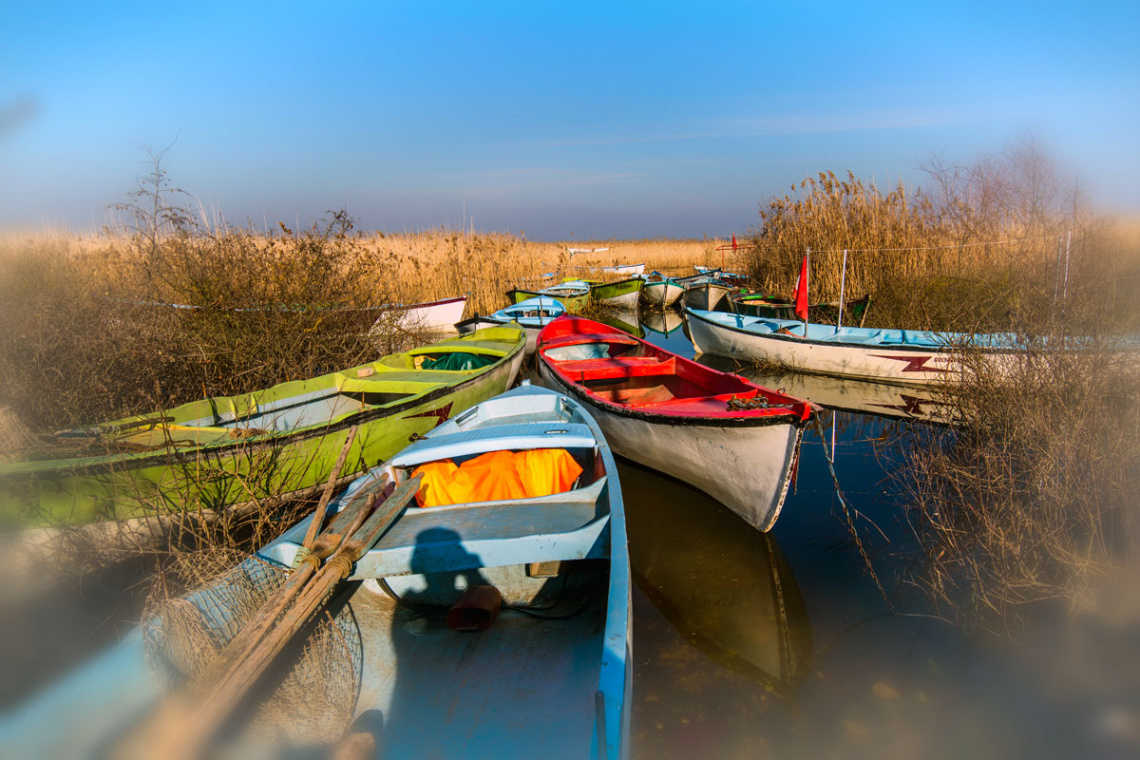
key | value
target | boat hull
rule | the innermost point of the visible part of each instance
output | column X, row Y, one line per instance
column 728, row 437
column 707, row 296
column 433, row 318
column 623, row 294
column 918, row 365
column 663, row 293
column 748, row 469
column 237, row 468
column 574, row 303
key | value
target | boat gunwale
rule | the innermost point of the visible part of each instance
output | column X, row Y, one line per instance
column 169, row 455
column 801, row 340
column 771, row 415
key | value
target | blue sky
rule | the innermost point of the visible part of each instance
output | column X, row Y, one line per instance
column 561, row 120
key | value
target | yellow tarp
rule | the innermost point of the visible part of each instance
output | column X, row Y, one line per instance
column 497, row 475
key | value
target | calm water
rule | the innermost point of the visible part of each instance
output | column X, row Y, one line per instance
column 780, row 644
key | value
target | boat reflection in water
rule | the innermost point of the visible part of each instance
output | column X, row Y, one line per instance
column 623, row 319
column 735, row 636
column 846, row 394
column 662, row 321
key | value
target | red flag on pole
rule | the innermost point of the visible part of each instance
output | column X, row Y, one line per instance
column 802, row 291
column 734, row 242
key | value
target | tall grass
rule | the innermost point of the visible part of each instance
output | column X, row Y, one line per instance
column 1032, row 500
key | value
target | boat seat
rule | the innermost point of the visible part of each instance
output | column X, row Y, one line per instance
column 548, row 435
column 558, row 527
column 617, row 369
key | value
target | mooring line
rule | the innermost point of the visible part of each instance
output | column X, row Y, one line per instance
column 847, row 510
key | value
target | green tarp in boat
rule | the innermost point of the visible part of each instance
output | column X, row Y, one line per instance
column 459, row 361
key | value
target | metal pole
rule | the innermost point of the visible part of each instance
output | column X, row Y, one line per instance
column 1068, row 248
column 842, row 284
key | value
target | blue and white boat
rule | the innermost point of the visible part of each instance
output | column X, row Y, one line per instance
column 532, row 315
column 910, row 357
column 551, row 674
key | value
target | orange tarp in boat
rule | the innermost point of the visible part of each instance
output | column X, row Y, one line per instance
column 497, row 475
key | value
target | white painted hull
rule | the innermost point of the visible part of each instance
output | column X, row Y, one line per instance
column 746, row 468
column 904, row 365
column 624, row 301
column 430, row 318
column 661, row 293
column 706, row 296
column 625, row 269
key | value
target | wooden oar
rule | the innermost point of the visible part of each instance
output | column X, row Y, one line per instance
column 322, row 505
column 217, row 704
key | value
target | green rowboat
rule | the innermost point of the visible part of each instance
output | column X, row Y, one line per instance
column 574, row 295
column 622, row 294
column 219, row 451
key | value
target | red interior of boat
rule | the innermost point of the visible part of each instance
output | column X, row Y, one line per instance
column 631, row 372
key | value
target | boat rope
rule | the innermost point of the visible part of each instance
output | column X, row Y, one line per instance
column 305, row 554
column 949, row 246
column 847, row 510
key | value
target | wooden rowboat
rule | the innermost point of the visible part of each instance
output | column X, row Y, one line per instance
column 908, row 357
column 430, row 318
column 659, row 290
column 574, row 295
column 622, row 294
column 532, row 315
column 551, row 670
column 217, row 451
column 734, row 440
column 706, row 292
column 615, row 269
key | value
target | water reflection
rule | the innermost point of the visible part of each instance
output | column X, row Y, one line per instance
column 622, row 319
column 734, row 657
column 662, row 321
column 724, row 586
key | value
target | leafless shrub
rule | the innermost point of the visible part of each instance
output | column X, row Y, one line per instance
column 1032, row 500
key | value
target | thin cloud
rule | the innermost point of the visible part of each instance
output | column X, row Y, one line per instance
column 764, row 127
column 494, row 183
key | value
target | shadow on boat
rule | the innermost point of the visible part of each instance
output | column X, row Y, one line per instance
column 724, row 587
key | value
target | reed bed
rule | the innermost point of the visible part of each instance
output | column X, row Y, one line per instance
column 946, row 265
column 1030, row 503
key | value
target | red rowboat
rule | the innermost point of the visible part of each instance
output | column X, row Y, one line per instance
column 734, row 440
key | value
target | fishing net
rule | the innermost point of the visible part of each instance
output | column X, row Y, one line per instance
column 311, row 694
